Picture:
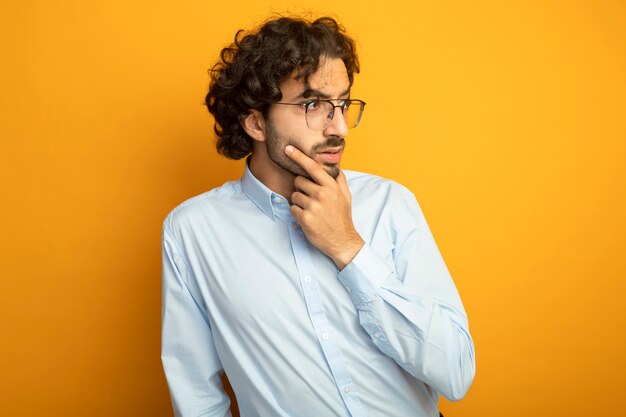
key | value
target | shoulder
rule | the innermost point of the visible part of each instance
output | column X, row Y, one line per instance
column 201, row 206
column 363, row 183
column 384, row 211
column 377, row 197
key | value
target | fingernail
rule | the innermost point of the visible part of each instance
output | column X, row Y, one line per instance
column 289, row 150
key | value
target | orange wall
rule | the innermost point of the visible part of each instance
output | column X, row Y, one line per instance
column 506, row 119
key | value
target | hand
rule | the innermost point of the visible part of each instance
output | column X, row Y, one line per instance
column 323, row 208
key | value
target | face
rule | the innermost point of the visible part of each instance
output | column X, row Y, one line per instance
column 286, row 125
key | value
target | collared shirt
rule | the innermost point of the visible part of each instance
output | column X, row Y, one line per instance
column 245, row 292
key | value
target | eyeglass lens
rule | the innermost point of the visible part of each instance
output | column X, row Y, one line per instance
column 318, row 114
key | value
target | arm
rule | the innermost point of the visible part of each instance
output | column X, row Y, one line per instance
column 410, row 307
column 190, row 362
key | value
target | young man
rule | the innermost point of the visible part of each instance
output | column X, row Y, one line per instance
column 320, row 292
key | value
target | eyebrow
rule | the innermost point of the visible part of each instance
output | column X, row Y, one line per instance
column 310, row 92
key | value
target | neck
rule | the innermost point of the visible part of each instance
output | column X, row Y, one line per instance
column 271, row 175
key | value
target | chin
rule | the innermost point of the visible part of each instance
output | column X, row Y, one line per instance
column 332, row 170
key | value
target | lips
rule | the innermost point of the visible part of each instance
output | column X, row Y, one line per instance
column 332, row 150
column 331, row 155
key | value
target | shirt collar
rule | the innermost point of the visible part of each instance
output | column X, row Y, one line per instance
column 273, row 205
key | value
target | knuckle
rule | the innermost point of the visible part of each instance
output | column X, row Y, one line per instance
column 314, row 206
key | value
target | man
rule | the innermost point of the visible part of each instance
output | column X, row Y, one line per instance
column 320, row 292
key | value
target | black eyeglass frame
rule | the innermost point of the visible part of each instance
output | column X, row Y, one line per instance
column 346, row 102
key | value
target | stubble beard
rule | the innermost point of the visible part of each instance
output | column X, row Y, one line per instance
column 276, row 152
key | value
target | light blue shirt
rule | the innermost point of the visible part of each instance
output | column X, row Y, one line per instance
column 245, row 292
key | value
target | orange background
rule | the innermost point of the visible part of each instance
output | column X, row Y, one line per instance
column 507, row 119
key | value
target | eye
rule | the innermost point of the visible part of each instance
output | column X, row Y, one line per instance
column 312, row 105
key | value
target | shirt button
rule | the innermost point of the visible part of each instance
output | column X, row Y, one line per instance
column 349, row 289
column 325, row 336
column 377, row 335
column 307, row 279
column 346, row 389
column 277, row 200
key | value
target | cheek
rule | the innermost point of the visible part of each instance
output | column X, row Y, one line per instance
column 299, row 138
column 306, row 143
column 291, row 129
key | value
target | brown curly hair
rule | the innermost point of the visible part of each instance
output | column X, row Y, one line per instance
column 250, row 70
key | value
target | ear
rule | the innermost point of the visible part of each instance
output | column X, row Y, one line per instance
column 254, row 125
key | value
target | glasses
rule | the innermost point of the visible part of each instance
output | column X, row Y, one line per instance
column 319, row 113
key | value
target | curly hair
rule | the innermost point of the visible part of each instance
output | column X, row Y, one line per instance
column 250, row 70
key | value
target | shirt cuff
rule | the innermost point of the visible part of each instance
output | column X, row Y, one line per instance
column 364, row 276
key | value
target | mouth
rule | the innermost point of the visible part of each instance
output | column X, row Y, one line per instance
column 331, row 155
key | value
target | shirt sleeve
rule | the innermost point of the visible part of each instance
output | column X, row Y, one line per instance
column 190, row 361
column 409, row 305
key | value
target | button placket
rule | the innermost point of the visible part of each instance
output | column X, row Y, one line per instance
column 312, row 298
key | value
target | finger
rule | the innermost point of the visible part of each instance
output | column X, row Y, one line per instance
column 317, row 173
column 299, row 199
column 297, row 212
column 306, row 186
column 343, row 185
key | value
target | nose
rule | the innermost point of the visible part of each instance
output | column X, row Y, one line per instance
column 337, row 126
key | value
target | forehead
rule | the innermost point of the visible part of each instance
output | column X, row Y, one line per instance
column 331, row 79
